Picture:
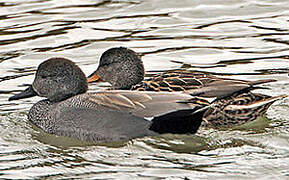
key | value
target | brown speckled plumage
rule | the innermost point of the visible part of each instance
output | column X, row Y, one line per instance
column 179, row 80
column 221, row 114
column 238, row 109
column 227, row 91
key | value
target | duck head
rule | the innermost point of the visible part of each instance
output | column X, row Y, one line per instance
column 121, row 67
column 56, row 79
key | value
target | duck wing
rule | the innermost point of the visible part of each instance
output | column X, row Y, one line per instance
column 197, row 83
column 121, row 115
column 147, row 104
column 177, row 80
column 168, row 112
column 221, row 88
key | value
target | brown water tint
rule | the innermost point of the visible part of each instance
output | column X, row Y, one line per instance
column 242, row 39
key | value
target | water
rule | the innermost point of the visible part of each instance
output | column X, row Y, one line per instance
column 245, row 39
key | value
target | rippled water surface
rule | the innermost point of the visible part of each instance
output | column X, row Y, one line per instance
column 245, row 39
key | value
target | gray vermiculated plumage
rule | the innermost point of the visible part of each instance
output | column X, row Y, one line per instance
column 106, row 115
column 82, row 120
column 91, row 119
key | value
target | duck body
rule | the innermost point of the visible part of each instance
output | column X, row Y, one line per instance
column 85, row 121
column 105, row 116
column 234, row 102
column 90, row 117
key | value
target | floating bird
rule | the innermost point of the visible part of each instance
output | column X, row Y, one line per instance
column 235, row 104
column 105, row 116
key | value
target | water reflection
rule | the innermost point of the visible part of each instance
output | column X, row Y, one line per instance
column 241, row 39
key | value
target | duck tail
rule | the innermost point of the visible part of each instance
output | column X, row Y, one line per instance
column 233, row 112
column 178, row 122
column 256, row 104
column 262, row 81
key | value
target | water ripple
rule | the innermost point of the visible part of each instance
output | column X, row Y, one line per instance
column 241, row 39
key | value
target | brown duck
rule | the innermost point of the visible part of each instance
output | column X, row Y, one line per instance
column 234, row 104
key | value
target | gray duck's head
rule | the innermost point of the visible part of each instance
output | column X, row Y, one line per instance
column 56, row 79
column 121, row 67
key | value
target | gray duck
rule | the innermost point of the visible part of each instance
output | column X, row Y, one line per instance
column 105, row 116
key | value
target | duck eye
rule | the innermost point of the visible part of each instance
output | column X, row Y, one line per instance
column 44, row 76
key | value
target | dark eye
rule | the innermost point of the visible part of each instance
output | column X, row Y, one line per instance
column 44, row 76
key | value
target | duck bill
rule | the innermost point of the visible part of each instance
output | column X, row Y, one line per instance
column 93, row 78
column 29, row 92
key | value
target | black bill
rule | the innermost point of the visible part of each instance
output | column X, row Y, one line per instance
column 29, row 92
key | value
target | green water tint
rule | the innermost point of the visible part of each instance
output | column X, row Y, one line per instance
column 237, row 39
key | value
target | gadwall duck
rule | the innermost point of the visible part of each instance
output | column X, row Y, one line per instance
column 235, row 103
column 105, row 116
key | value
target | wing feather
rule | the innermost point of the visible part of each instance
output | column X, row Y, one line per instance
column 145, row 104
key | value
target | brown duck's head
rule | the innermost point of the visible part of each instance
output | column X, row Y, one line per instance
column 120, row 66
column 56, row 79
